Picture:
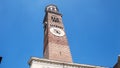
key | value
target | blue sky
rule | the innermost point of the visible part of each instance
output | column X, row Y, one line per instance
column 92, row 28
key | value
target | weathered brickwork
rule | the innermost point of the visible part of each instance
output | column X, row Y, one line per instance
column 55, row 47
column 59, row 52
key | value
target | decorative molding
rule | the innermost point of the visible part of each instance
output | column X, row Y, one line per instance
column 58, row 64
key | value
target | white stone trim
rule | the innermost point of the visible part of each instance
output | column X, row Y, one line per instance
column 58, row 64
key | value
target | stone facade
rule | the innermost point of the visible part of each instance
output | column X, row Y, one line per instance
column 45, row 63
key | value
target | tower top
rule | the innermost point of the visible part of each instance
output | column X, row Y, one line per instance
column 51, row 8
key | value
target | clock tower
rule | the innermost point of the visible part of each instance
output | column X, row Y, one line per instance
column 56, row 49
column 55, row 42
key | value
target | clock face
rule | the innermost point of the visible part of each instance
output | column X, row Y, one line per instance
column 57, row 31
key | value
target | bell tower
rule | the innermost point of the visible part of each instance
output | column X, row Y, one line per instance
column 55, row 42
column 56, row 49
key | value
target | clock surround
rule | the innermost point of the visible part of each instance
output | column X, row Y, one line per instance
column 57, row 31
